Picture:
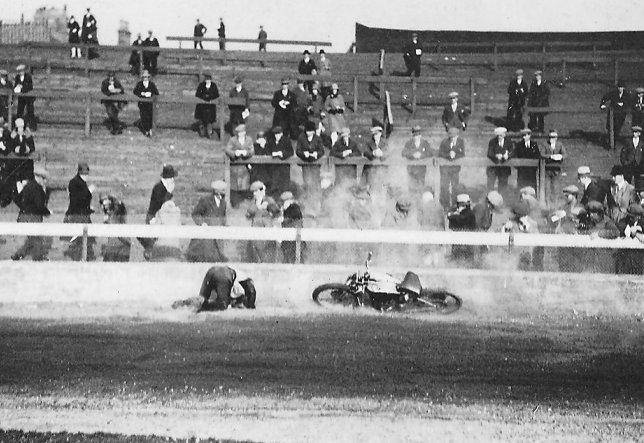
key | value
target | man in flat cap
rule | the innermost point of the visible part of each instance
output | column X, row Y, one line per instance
column 302, row 107
column 335, row 109
column 146, row 89
column 307, row 67
column 599, row 225
column 517, row 93
column 21, row 141
column 538, row 97
column 32, row 201
column 462, row 218
column 632, row 155
column 564, row 215
column 554, row 153
column 161, row 192
column 135, row 60
column 291, row 218
column 262, row 212
column 279, row 147
column 591, row 189
column 499, row 151
column 346, row 147
column 284, row 103
column 616, row 99
column 527, row 148
column 150, row 57
column 417, row 148
column 631, row 261
column 310, row 149
column 411, row 55
column 5, row 83
column 455, row 115
column 485, row 209
column 80, row 211
column 451, row 148
column 623, row 194
column 221, row 33
column 23, row 83
column 262, row 37
column 238, row 149
column 112, row 87
column 376, row 151
column 209, row 211
column 238, row 112
column 637, row 108
column 206, row 113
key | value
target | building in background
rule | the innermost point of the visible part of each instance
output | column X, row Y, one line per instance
column 48, row 25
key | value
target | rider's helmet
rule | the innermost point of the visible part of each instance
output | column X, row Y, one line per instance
column 410, row 284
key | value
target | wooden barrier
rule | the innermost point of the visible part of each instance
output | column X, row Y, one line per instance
column 256, row 41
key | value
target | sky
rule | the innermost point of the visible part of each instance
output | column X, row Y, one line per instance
column 334, row 20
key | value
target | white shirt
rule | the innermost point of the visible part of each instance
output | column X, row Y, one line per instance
column 636, row 141
column 454, row 105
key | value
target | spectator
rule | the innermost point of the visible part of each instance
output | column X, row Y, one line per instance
column 291, row 218
column 150, row 57
column 32, row 201
column 521, row 222
column 451, row 148
column 239, row 147
column 199, row 31
column 307, row 67
column 344, row 148
column 279, row 148
column 210, row 211
column 538, row 97
column 301, row 109
column 462, row 218
column 5, row 138
column 135, row 56
column 537, row 214
column 616, row 99
column 517, row 93
column 431, row 215
column 376, row 150
column 417, row 149
column 166, row 249
column 316, row 108
column 261, row 213
column 554, row 153
column 221, row 33
column 22, row 84
column 631, row 261
column 5, row 83
column 632, row 155
column 261, row 172
column 639, row 189
column 335, row 108
column 637, row 109
column 402, row 216
column 592, row 189
column 238, row 113
column 411, row 56
column 74, row 37
column 310, row 149
column 80, row 211
column 117, row 249
column 161, row 193
column 262, row 37
column 564, row 216
column 324, row 70
column 284, row 103
column 89, row 34
column 454, row 115
column 599, row 225
column 146, row 89
column 623, row 195
column 484, row 210
column 499, row 151
column 22, row 141
column 206, row 113
column 111, row 86
column 527, row 149
column 320, row 131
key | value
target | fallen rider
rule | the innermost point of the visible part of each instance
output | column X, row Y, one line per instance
column 222, row 287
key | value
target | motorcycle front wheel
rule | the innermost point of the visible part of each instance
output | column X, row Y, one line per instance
column 334, row 294
column 439, row 301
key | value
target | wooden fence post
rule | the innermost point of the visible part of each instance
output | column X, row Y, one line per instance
column 220, row 116
column 472, row 98
column 381, row 65
column 355, row 94
column 84, row 250
column 615, row 70
column 611, row 128
column 563, row 70
column 298, row 246
column 433, row 170
column 9, row 107
column 227, row 178
column 88, row 115
column 543, row 57
column 542, row 181
column 495, row 56
column 414, row 85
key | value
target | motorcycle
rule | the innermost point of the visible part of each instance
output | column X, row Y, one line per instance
column 384, row 292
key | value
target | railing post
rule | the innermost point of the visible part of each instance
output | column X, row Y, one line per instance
column 495, row 56
column 298, row 246
column 433, row 170
column 381, row 65
column 227, row 178
column 88, row 115
column 510, row 242
column 355, row 94
column 542, row 181
column 472, row 98
column 154, row 112
column 84, row 250
column 543, row 57
column 563, row 70
column 9, row 107
column 615, row 70
column 413, row 95
column 611, row 128
column 220, row 116
column 594, row 56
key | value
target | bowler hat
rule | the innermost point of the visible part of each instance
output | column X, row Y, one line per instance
column 168, row 172
column 218, row 186
column 616, row 170
column 83, row 168
column 306, row 52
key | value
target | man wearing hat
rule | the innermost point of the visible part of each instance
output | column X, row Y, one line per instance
column 279, row 148
column 316, row 108
column 21, row 140
column 631, row 261
column 209, row 211
column 455, row 115
column 111, row 87
column 150, row 57
column 80, row 211
column 284, row 103
column 262, row 37
column 89, row 33
column 5, row 83
column 222, row 287
column 538, row 97
column 639, row 189
column 23, row 83
column 221, row 33
column 145, row 88
column 261, row 212
column 411, row 55
column 484, row 211
column 499, row 151
column 74, row 36
column 554, row 153
column 530, row 259
column 135, row 56
column 451, row 148
column 632, row 154
column 335, row 108
column 591, row 189
column 310, row 149
column 402, row 216
column 462, row 218
column 291, row 218
column 161, row 193
column 302, row 107
column 199, row 31
column 623, row 194
column 517, row 93
column 637, row 108
column 528, row 149
column 618, row 100
column 417, row 148
column 206, row 113
column 238, row 112
column 324, row 70
column 571, row 196
column 32, row 200
column 376, row 150
column 600, row 225
column 239, row 148
column 344, row 148
column 307, row 67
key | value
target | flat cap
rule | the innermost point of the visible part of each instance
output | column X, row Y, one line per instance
column 218, row 186
column 462, row 198
column 595, row 206
column 538, row 72
column 168, row 172
column 571, row 189
column 257, row 186
column 277, row 130
column 639, row 90
column 528, row 190
column 21, row 67
column 145, row 73
column 345, row 131
column 238, row 79
column 3, row 72
column 19, row 122
column 377, row 128
column 521, row 209
column 453, row 94
column 403, row 203
column 416, row 130
column 286, row 195
column 518, row 72
column 495, row 199
column 284, row 81
column 500, row 130
column 583, row 170
column 83, row 168
column 636, row 128
column 240, row 128
column 525, row 131
column 553, row 134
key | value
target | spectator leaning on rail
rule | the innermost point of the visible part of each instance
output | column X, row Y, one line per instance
column 538, row 97
column 324, row 71
column 307, row 67
column 135, row 56
column 632, row 155
column 279, row 148
column 598, row 224
column 80, row 211
column 206, row 113
column 639, row 189
column 5, row 138
column 553, row 153
column 21, row 141
column 618, row 100
column 302, row 107
column 262, row 37
column 262, row 212
column 417, row 148
column 631, row 261
column 209, row 211
column 166, row 249
column 284, row 103
column 335, row 108
column 431, row 215
column 455, row 115
column 499, row 151
column 239, row 147
column 411, row 56
column 316, row 109
column 150, row 57
column 238, row 113
column 161, row 193
column 563, row 216
column 637, row 107
column 376, row 151
column 484, row 210
column 222, row 287
column 199, row 31
column 527, row 149
column 32, row 200
column 74, row 37
column 593, row 189
column 23, row 83
column 116, row 249
column 89, row 34
column 5, row 83
column 344, row 148
column 310, row 149
column 623, row 195
column 110, row 87
column 451, row 148
column 517, row 93
column 462, row 218
column 521, row 222
column 146, row 89
column 291, row 218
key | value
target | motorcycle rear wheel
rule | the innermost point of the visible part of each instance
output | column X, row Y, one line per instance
column 334, row 294
column 439, row 301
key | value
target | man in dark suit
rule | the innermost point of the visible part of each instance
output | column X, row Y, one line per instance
column 89, row 33
column 5, row 83
column 21, row 142
column 291, row 218
column 146, row 88
column 150, row 57
column 455, row 115
column 24, row 83
column 223, row 286
column 462, row 218
column 637, row 108
column 517, row 93
column 307, row 67
column 451, row 148
column 238, row 113
column 632, row 155
column 135, row 56
column 344, row 148
column 526, row 148
column 279, row 147
column 80, row 211
column 32, row 201
column 110, row 87
column 417, row 148
column 593, row 189
column 310, row 149
column 221, row 32
column 618, row 100
column 210, row 211
column 74, row 36
column 538, row 97
column 206, row 113
column 262, row 37
column 499, row 151
column 199, row 31
column 411, row 55
column 161, row 193
column 284, row 103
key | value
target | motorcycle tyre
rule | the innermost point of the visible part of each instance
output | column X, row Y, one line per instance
column 330, row 287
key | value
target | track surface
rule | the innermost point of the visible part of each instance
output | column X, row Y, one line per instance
column 321, row 376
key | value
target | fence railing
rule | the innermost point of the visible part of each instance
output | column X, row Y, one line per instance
column 256, row 41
